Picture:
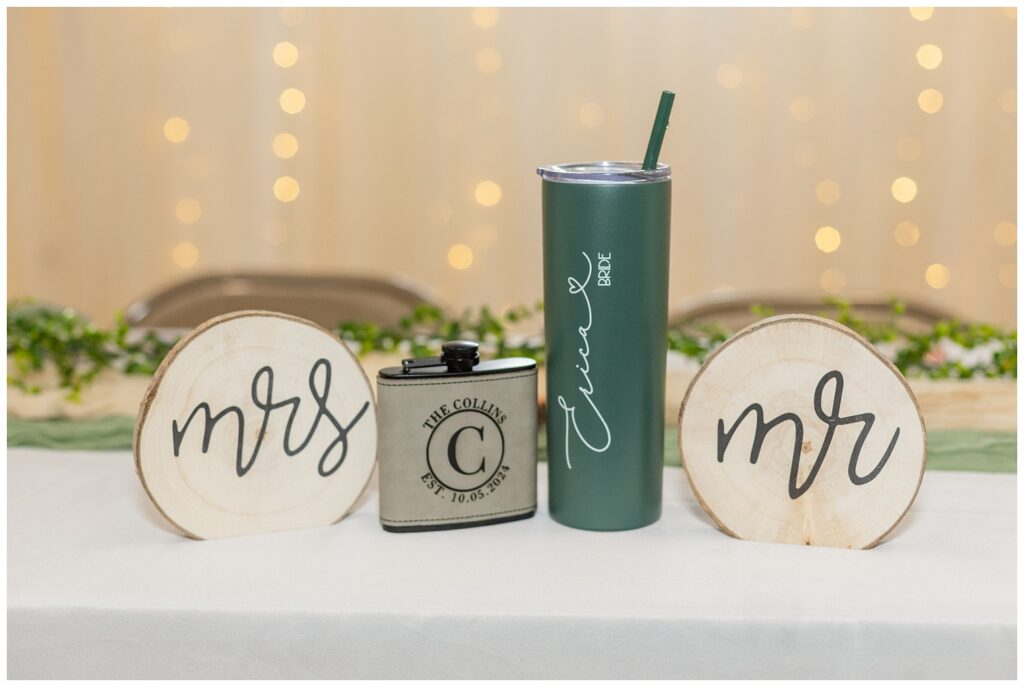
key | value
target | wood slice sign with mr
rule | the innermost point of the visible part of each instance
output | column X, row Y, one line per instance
column 797, row 430
column 256, row 422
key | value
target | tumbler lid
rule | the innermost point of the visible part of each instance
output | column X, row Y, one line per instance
column 604, row 172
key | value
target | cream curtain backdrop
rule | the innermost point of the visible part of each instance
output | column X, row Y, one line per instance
column 407, row 111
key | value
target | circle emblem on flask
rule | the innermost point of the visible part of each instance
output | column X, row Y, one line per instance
column 466, row 450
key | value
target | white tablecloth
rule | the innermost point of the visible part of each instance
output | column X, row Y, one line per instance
column 99, row 587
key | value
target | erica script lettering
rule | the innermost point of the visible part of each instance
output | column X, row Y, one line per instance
column 262, row 393
column 601, row 443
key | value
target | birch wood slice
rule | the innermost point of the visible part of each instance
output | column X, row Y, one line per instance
column 825, row 397
column 282, row 432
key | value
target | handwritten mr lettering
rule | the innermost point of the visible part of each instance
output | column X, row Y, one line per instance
column 262, row 394
column 831, row 418
column 603, row 440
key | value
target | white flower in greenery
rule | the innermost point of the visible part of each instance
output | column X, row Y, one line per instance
column 981, row 355
column 946, row 350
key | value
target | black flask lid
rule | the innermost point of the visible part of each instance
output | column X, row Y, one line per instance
column 458, row 358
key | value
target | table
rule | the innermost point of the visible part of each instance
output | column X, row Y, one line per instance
column 99, row 587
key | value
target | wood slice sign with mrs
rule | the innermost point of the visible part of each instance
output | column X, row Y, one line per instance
column 797, row 430
column 256, row 422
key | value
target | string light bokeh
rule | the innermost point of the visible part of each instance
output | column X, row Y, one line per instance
column 815, row 151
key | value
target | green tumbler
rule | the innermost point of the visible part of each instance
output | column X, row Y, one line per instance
column 606, row 254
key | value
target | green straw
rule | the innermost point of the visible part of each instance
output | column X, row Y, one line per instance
column 658, row 132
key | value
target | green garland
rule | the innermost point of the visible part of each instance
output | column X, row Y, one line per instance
column 422, row 332
column 78, row 350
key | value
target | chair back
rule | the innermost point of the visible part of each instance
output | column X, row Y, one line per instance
column 733, row 311
column 326, row 299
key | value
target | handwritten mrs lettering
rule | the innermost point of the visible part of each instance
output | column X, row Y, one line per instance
column 262, row 392
column 601, row 443
column 831, row 418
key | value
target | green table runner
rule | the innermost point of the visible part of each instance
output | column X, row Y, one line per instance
column 948, row 449
column 110, row 433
